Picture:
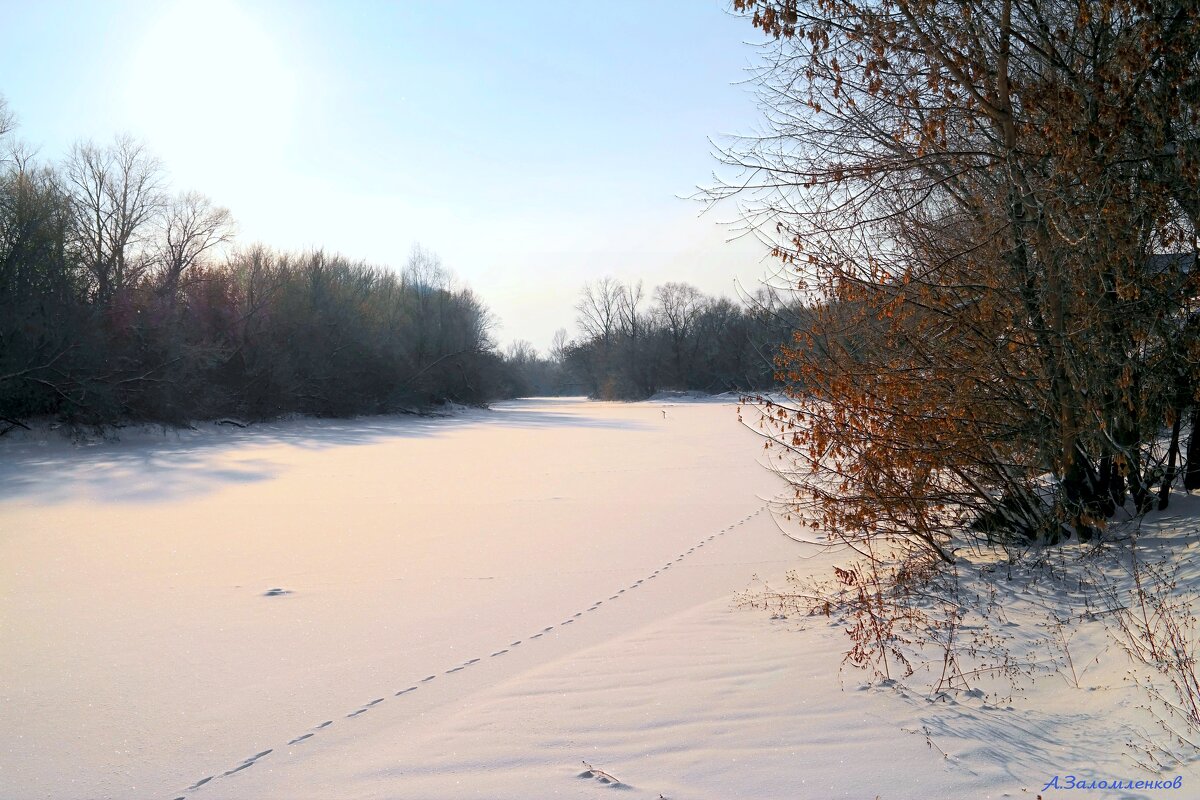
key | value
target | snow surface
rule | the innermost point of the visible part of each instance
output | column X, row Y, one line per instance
column 534, row 601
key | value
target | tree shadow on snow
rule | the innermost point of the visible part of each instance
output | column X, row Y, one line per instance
column 145, row 464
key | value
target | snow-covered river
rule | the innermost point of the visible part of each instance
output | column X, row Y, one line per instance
column 142, row 648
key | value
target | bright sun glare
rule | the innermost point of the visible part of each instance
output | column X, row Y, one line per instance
column 209, row 87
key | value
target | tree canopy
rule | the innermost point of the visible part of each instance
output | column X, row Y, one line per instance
column 996, row 203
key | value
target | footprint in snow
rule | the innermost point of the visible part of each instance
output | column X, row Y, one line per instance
column 276, row 592
column 536, row 636
column 249, row 762
column 325, row 724
column 299, row 739
column 406, row 691
column 455, row 669
column 428, row 678
column 498, row 653
column 602, row 777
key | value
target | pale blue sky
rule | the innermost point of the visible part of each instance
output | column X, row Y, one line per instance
column 534, row 146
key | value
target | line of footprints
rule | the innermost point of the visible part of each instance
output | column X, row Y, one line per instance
column 249, row 762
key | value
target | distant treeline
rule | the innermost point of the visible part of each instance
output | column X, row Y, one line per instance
column 120, row 300
column 633, row 345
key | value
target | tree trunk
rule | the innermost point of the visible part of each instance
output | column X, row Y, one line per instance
column 1191, row 474
column 1164, row 493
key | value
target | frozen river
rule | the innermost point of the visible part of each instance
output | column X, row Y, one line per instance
column 142, row 648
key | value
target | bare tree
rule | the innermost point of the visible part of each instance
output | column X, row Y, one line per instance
column 191, row 227
column 599, row 309
column 630, row 298
column 7, row 122
column 678, row 307
column 521, row 351
column 424, row 270
column 558, row 346
column 117, row 192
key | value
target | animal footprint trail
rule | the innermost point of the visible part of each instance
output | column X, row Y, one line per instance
column 591, row 772
column 249, row 762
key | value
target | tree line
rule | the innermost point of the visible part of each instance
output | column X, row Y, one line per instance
column 633, row 344
column 122, row 300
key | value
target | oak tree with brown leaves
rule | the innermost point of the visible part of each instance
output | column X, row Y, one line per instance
column 995, row 206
